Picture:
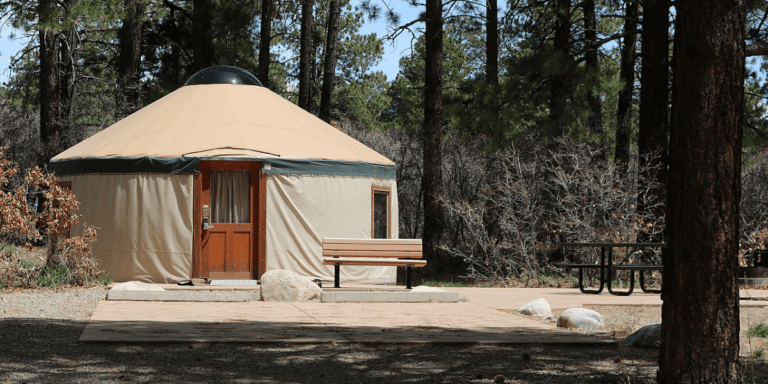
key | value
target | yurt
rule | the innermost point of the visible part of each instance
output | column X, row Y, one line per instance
column 224, row 179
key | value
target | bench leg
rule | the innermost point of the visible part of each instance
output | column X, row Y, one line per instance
column 642, row 284
column 336, row 270
column 408, row 277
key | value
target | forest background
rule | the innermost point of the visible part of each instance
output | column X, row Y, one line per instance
column 514, row 126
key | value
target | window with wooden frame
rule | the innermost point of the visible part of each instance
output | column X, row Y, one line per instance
column 380, row 208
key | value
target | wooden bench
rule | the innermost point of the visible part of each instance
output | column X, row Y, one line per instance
column 373, row 252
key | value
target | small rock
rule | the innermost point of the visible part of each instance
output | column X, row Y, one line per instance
column 287, row 286
column 136, row 286
column 550, row 318
column 645, row 337
column 580, row 318
column 538, row 307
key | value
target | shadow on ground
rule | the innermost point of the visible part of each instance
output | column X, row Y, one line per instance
column 40, row 351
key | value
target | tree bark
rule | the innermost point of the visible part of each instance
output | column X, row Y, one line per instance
column 329, row 67
column 432, row 133
column 202, row 35
column 67, row 52
column 700, row 313
column 305, row 53
column 492, row 43
column 50, row 125
column 595, row 120
column 624, row 113
column 265, row 38
column 654, row 97
column 558, row 97
column 128, row 97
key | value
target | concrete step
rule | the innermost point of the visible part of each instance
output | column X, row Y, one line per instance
column 184, row 295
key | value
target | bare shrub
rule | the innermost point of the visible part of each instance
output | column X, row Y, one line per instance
column 21, row 223
column 532, row 200
column 753, row 218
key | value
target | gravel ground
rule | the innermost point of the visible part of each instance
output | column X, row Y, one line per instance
column 39, row 333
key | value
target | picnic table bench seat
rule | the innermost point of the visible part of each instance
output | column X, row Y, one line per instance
column 373, row 252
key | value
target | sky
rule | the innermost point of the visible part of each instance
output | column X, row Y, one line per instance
column 389, row 64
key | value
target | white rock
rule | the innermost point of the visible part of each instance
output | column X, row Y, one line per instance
column 424, row 288
column 538, row 307
column 136, row 286
column 645, row 337
column 580, row 318
column 282, row 285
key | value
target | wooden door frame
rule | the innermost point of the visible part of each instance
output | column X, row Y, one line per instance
column 258, row 214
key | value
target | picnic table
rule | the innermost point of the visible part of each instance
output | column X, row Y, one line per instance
column 606, row 264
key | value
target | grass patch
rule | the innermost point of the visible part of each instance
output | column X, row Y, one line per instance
column 760, row 330
column 26, row 264
column 758, row 352
column 53, row 276
column 439, row 283
column 3, row 283
column 105, row 280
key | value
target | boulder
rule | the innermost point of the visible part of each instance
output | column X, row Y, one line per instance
column 282, row 285
column 136, row 286
column 538, row 307
column 645, row 337
column 581, row 318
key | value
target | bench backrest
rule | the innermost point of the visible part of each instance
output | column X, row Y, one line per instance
column 399, row 248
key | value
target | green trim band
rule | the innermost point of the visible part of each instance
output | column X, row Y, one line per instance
column 192, row 165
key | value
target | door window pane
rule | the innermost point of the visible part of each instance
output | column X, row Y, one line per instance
column 230, row 190
column 380, row 204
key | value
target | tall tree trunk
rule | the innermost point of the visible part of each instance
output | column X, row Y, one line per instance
column 50, row 125
column 265, row 38
column 128, row 95
column 595, row 121
column 432, row 133
column 624, row 113
column 558, row 96
column 492, row 43
column 654, row 97
column 202, row 36
column 329, row 67
column 67, row 52
column 700, row 313
column 305, row 53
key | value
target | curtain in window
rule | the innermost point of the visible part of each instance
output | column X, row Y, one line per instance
column 380, row 202
column 230, row 202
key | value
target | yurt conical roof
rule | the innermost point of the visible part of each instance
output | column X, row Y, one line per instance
column 222, row 113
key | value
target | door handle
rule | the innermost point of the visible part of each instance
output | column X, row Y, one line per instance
column 206, row 214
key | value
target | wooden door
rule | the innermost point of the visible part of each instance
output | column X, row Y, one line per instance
column 228, row 213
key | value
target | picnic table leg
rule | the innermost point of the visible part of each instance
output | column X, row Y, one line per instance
column 642, row 284
column 610, row 276
column 602, row 275
column 408, row 277
column 336, row 270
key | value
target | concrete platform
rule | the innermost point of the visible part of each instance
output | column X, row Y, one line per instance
column 366, row 323
column 483, row 316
